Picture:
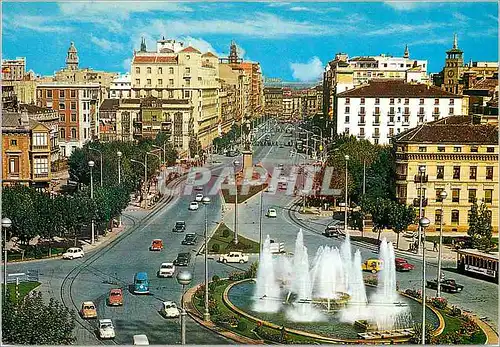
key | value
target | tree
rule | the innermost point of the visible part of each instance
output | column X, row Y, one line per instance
column 18, row 204
column 400, row 218
column 480, row 230
column 380, row 209
column 32, row 322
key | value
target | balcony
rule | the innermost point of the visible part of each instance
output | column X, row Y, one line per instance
column 400, row 176
column 362, row 122
column 376, row 122
column 416, row 178
column 40, row 148
column 361, row 136
column 361, row 114
column 39, row 176
column 416, row 202
column 390, row 122
column 186, row 75
column 406, row 123
column 376, row 135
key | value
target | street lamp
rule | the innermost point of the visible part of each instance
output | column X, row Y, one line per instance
column 184, row 278
column 100, row 153
column 91, row 165
column 443, row 196
column 162, row 149
column 6, row 224
column 424, row 223
column 346, row 157
column 235, row 164
column 421, row 171
column 206, row 314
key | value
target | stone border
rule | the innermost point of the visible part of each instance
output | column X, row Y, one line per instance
column 235, row 309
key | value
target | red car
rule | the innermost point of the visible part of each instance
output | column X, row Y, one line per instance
column 115, row 297
column 403, row 265
column 156, row 245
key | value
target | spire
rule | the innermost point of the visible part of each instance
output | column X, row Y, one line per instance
column 233, row 55
column 455, row 41
column 143, row 45
column 407, row 53
column 72, row 57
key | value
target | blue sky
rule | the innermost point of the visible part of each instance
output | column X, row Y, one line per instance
column 292, row 41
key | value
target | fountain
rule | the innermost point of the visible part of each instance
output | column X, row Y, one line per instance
column 267, row 291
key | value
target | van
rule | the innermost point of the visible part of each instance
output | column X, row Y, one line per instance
column 141, row 283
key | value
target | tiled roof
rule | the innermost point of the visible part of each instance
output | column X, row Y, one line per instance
column 363, row 59
column 190, row 49
column 209, row 54
column 144, row 59
column 397, row 88
column 130, row 101
column 486, row 83
column 169, row 59
column 455, row 130
column 33, row 109
column 109, row 104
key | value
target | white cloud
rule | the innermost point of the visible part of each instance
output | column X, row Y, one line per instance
column 461, row 17
column 428, row 41
column 403, row 28
column 278, row 4
column 106, row 44
column 35, row 23
column 200, row 44
column 127, row 63
column 313, row 10
column 403, row 5
column 310, row 71
column 121, row 9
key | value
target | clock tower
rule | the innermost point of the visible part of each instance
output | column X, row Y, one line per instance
column 454, row 65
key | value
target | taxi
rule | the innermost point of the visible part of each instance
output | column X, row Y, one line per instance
column 373, row 265
column 88, row 310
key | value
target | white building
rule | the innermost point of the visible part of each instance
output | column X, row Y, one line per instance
column 382, row 109
column 121, row 87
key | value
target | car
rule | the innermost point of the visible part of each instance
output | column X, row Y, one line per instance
column 199, row 197
column 189, row 239
column 402, row 265
column 141, row 340
column 179, row 227
column 182, row 259
column 88, row 310
column 141, row 283
column 156, row 245
column 271, row 213
column 270, row 188
column 115, row 297
column 166, row 270
column 281, row 166
column 169, row 309
column 233, row 257
column 333, row 230
column 447, row 285
column 73, row 253
column 373, row 265
column 106, row 329
column 198, row 188
column 193, row 206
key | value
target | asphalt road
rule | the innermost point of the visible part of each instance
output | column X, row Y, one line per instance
column 88, row 279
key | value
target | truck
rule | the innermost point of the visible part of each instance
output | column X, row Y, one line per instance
column 447, row 285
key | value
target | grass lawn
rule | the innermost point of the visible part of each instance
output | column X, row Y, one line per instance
column 453, row 324
column 229, row 198
column 24, row 289
column 225, row 241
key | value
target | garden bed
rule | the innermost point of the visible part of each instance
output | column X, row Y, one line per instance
column 230, row 198
column 222, row 242
column 24, row 289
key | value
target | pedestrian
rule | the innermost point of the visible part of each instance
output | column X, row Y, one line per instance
column 435, row 246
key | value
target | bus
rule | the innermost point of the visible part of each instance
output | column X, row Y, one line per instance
column 478, row 264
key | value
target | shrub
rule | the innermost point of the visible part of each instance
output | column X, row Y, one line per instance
column 215, row 278
column 237, row 276
column 215, row 247
column 200, row 292
column 373, row 280
column 455, row 311
column 226, row 233
column 439, row 303
column 213, row 308
column 242, row 326
column 252, row 270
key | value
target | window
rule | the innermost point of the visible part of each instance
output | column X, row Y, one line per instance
column 422, row 149
column 73, row 133
column 377, row 101
column 171, row 70
column 488, row 195
column 437, row 216
column 438, row 196
column 473, row 172
column 39, row 139
column 41, row 166
column 62, row 117
column 160, row 82
column 188, row 83
column 456, row 172
column 14, row 165
column 489, row 172
column 452, row 102
column 346, row 119
column 62, row 133
column 455, row 195
column 391, row 119
column 49, row 93
column 451, row 111
column 160, row 70
column 407, row 101
column 362, row 101
column 490, row 149
column 13, row 142
column 391, row 132
column 72, row 93
column 188, row 57
column 361, row 131
column 362, row 110
column 171, row 82
column 391, row 101
column 347, row 109
column 148, row 70
column 84, row 133
column 346, row 131
column 73, row 105
column 62, row 106
column 441, row 149
column 421, row 103
column 61, row 94
column 137, row 70
column 457, row 149
column 171, row 94
column 472, row 196
column 474, row 149
column 188, row 70
column 421, row 111
column 73, row 117
column 436, row 101
column 186, row 94
column 148, row 82
column 137, row 81
column 377, row 110
column 391, row 110
column 436, row 111
column 455, row 214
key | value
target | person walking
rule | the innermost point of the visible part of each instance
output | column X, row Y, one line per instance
column 434, row 248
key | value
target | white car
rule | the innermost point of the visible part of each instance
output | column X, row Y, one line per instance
column 199, row 197
column 169, row 309
column 193, row 206
column 166, row 270
column 233, row 257
column 141, row 340
column 106, row 329
column 271, row 213
column 73, row 252
column 270, row 189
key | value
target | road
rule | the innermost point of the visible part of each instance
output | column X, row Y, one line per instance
column 80, row 280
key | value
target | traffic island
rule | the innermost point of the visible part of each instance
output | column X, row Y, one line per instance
column 222, row 242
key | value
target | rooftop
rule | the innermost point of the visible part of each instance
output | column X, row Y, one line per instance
column 397, row 88
column 141, row 59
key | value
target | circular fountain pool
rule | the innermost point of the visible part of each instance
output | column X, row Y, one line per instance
column 241, row 295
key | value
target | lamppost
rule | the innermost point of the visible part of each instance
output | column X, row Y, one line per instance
column 91, row 165
column 6, row 224
column 206, row 314
column 119, row 155
column 443, row 196
column 346, row 157
column 236, row 163
column 184, row 278
column 421, row 171
column 424, row 223
column 100, row 153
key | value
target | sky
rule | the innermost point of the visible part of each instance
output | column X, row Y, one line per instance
column 291, row 40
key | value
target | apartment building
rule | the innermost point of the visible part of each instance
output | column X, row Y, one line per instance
column 273, row 101
column 121, row 87
column 381, row 109
column 78, row 108
column 13, row 69
column 459, row 157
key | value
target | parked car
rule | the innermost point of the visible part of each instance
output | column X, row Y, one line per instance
column 373, row 265
column 182, row 259
column 156, row 245
column 166, row 270
column 447, row 285
column 233, row 257
column 106, row 329
column 169, row 309
column 179, row 227
column 73, row 253
column 402, row 265
column 271, row 213
column 333, row 231
column 88, row 310
column 193, row 206
column 199, row 197
column 189, row 239
column 115, row 297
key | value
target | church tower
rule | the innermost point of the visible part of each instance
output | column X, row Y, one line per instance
column 233, row 54
column 72, row 58
column 143, row 45
column 407, row 53
column 454, row 65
